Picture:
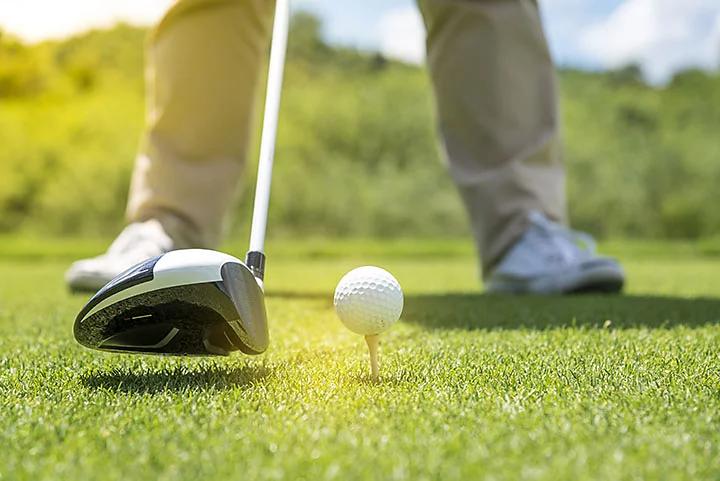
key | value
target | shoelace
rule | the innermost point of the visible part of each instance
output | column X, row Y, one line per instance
column 557, row 243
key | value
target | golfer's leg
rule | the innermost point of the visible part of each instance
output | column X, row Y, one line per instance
column 496, row 98
column 205, row 60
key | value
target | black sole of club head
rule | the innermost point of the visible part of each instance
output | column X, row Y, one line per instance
column 186, row 320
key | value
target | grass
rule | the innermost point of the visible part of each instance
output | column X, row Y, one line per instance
column 472, row 387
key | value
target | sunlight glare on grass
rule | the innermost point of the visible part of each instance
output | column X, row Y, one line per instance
column 471, row 386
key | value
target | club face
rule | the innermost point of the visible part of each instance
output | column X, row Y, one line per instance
column 189, row 303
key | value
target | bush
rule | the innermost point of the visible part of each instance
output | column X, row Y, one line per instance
column 356, row 153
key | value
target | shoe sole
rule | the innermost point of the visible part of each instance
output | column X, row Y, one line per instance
column 602, row 287
column 592, row 278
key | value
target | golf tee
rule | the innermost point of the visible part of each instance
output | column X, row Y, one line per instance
column 372, row 342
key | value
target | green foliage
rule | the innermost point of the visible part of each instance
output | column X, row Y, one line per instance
column 23, row 71
column 306, row 42
column 360, row 163
column 356, row 151
column 642, row 161
column 90, row 58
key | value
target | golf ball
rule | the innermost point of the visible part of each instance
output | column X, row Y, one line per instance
column 368, row 300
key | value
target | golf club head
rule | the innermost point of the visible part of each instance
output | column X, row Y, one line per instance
column 190, row 302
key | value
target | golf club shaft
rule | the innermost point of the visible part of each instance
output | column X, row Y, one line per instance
column 278, row 49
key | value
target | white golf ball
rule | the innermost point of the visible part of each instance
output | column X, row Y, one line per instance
column 368, row 300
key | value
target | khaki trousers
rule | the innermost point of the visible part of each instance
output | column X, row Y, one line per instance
column 495, row 90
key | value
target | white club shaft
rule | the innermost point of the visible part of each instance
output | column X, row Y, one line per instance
column 278, row 49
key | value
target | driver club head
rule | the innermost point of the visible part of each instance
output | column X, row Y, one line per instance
column 191, row 302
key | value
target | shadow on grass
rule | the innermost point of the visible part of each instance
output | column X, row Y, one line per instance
column 174, row 379
column 477, row 311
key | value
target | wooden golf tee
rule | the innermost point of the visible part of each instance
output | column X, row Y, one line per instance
column 372, row 343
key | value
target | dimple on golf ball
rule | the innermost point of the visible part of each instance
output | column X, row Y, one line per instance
column 368, row 300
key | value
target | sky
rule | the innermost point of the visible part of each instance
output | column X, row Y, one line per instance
column 662, row 36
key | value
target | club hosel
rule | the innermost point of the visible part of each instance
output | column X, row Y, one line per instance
column 255, row 260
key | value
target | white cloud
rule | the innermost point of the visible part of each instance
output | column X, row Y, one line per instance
column 35, row 20
column 402, row 35
column 663, row 36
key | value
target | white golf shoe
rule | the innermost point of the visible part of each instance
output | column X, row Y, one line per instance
column 550, row 259
column 137, row 242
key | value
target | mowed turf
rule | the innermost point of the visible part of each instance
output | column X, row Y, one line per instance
column 472, row 387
